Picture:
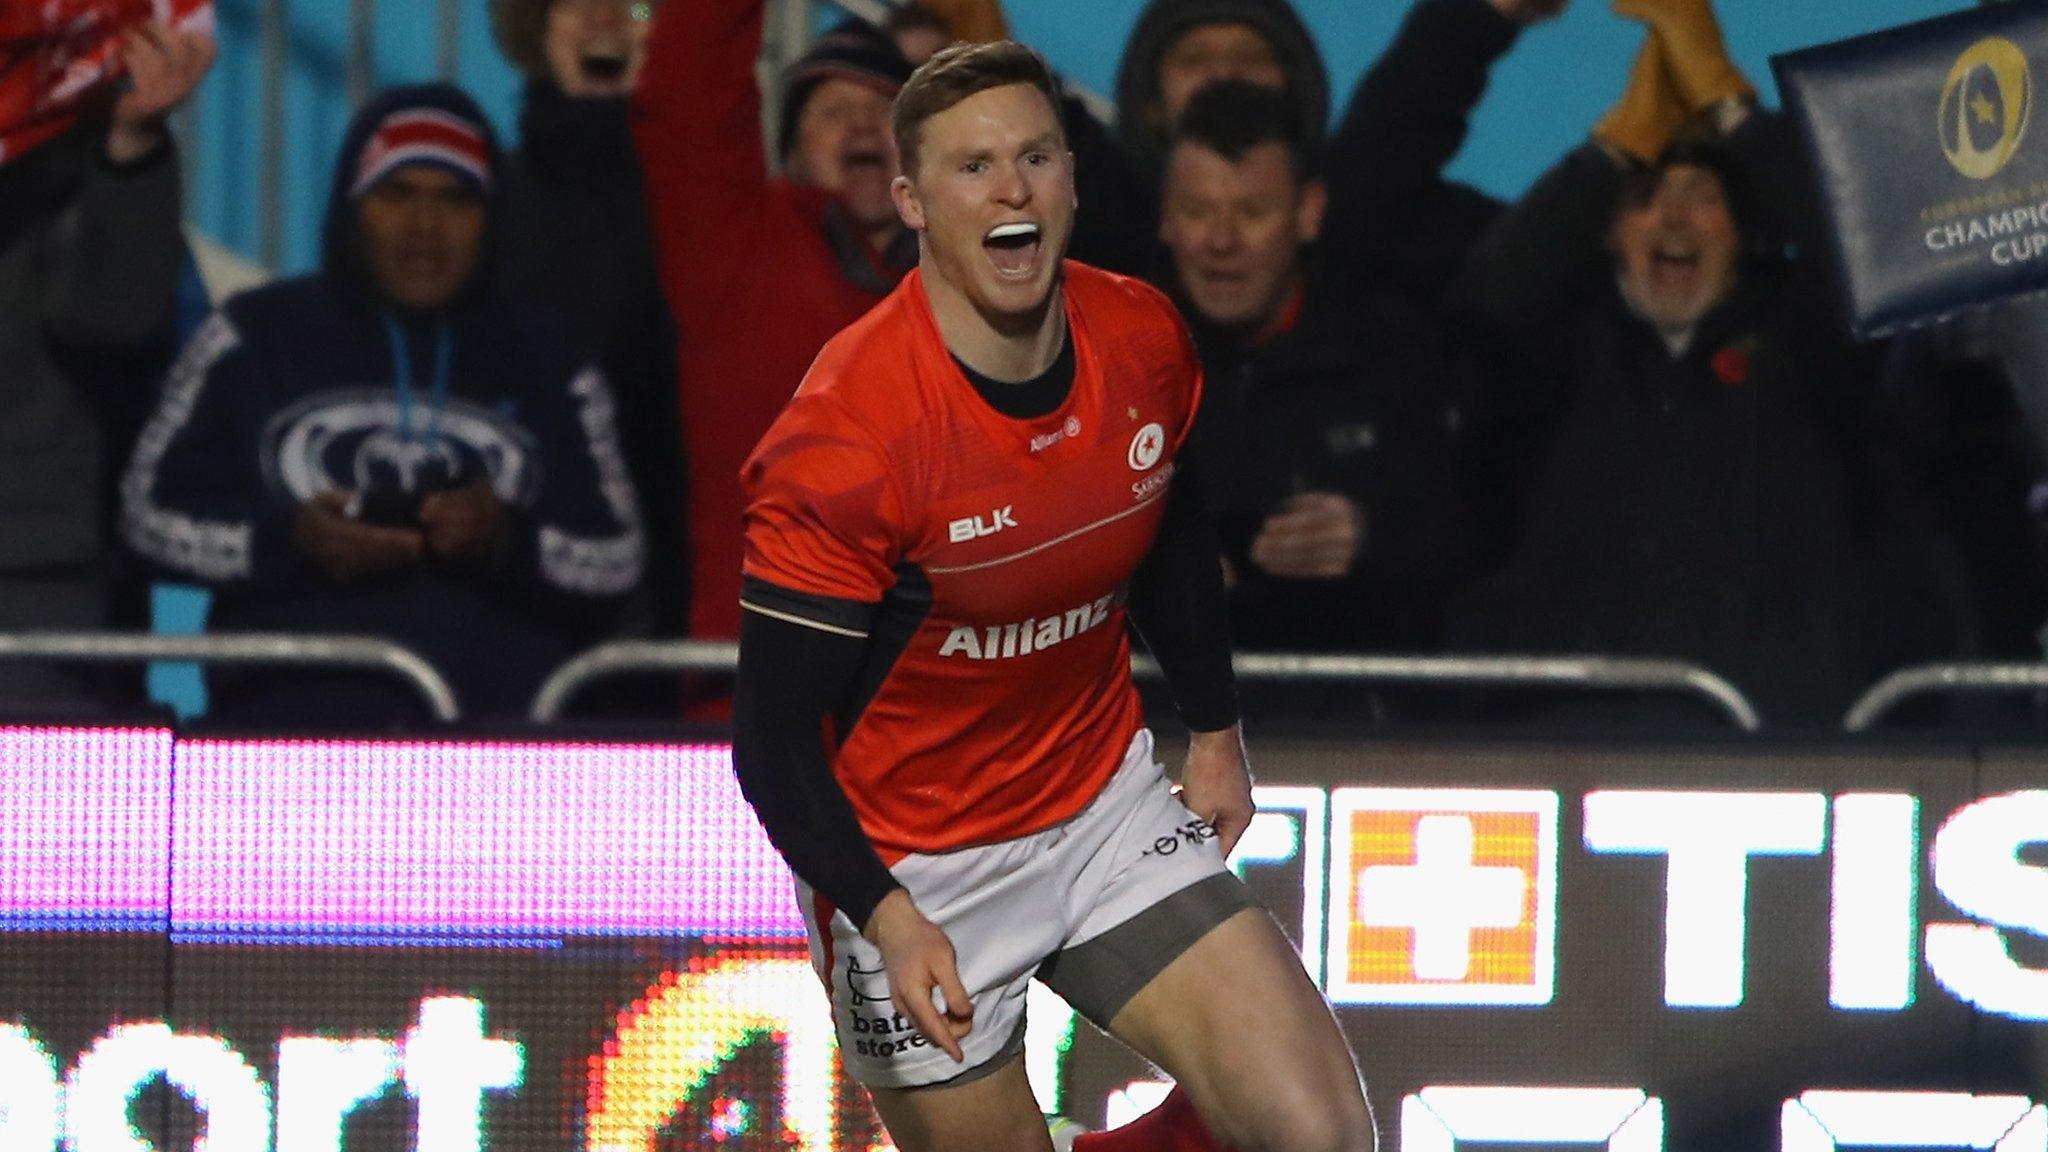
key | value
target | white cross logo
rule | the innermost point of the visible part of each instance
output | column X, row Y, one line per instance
column 1443, row 896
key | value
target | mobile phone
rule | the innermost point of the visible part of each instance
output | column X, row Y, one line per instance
column 390, row 508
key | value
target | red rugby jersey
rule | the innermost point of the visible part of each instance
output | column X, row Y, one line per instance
column 983, row 557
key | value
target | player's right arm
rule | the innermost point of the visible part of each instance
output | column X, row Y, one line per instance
column 822, row 541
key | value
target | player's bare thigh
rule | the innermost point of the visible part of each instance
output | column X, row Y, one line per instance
column 1239, row 1025
column 996, row 1112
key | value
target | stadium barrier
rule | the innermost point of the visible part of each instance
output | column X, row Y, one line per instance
column 367, row 653
column 1927, row 679
column 1598, row 673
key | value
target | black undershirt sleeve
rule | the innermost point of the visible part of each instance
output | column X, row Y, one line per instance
column 790, row 677
column 1182, row 611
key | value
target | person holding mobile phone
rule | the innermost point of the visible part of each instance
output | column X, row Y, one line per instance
column 389, row 447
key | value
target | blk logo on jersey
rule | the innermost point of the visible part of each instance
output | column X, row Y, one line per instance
column 1147, row 447
column 1442, row 896
column 975, row 527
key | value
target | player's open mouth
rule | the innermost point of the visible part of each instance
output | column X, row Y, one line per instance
column 1013, row 249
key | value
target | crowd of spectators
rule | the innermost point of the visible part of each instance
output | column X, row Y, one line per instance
column 506, row 417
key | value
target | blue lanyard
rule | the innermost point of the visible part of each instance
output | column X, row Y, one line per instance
column 401, row 378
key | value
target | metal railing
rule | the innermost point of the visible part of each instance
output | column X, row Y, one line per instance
column 1596, row 673
column 1926, row 679
column 365, row 653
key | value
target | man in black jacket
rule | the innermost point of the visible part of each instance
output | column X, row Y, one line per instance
column 1328, row 428
column 1706, row 477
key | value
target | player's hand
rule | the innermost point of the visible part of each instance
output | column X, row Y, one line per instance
column 348, row 549
column 463, row 524
column 162, row 68
column 1314, row 536
column 1527, row 12
column 919, row 957
column 1216, row 784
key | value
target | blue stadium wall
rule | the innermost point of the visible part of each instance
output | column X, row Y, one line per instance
column 1542, row 99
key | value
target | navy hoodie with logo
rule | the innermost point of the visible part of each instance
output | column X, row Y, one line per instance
column 313, row 384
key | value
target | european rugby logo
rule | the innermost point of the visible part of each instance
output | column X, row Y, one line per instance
column 1985, row 105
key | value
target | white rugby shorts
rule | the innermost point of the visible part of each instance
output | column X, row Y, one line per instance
column 1007, row 907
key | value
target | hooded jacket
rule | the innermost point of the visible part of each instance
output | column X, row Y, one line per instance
column 314, row 384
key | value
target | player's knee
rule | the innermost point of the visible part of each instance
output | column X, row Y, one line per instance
column 1310, row 1122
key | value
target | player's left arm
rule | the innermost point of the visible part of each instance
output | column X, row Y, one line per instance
column 1181, row 610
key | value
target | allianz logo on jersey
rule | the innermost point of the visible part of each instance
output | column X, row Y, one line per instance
column 1002, row 641
column 975, row 527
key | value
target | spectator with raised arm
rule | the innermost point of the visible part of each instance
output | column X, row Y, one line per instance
column 389, row 447
column 1706, row 475
column 578, row 245
column 89, row 257
column 1391, row 210
column 760, row 269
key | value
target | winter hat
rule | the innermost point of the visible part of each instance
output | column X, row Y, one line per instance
column 434, row 124
column 1163, row 21
column 855, row 50
column 423, row 134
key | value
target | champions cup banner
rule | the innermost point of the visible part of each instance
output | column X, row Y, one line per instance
column 54, row 54
column 467, row 946
column 1932, row 160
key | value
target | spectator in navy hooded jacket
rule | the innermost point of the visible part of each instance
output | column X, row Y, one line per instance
column 389, row 447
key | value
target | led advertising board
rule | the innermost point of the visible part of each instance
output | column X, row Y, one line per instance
column 447, row 946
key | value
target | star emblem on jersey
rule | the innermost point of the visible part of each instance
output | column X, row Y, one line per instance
column 1147, row 447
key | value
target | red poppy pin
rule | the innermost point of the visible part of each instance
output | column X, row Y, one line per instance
column 1731, row 364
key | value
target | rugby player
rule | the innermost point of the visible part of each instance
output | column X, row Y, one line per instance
column 934, row 717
